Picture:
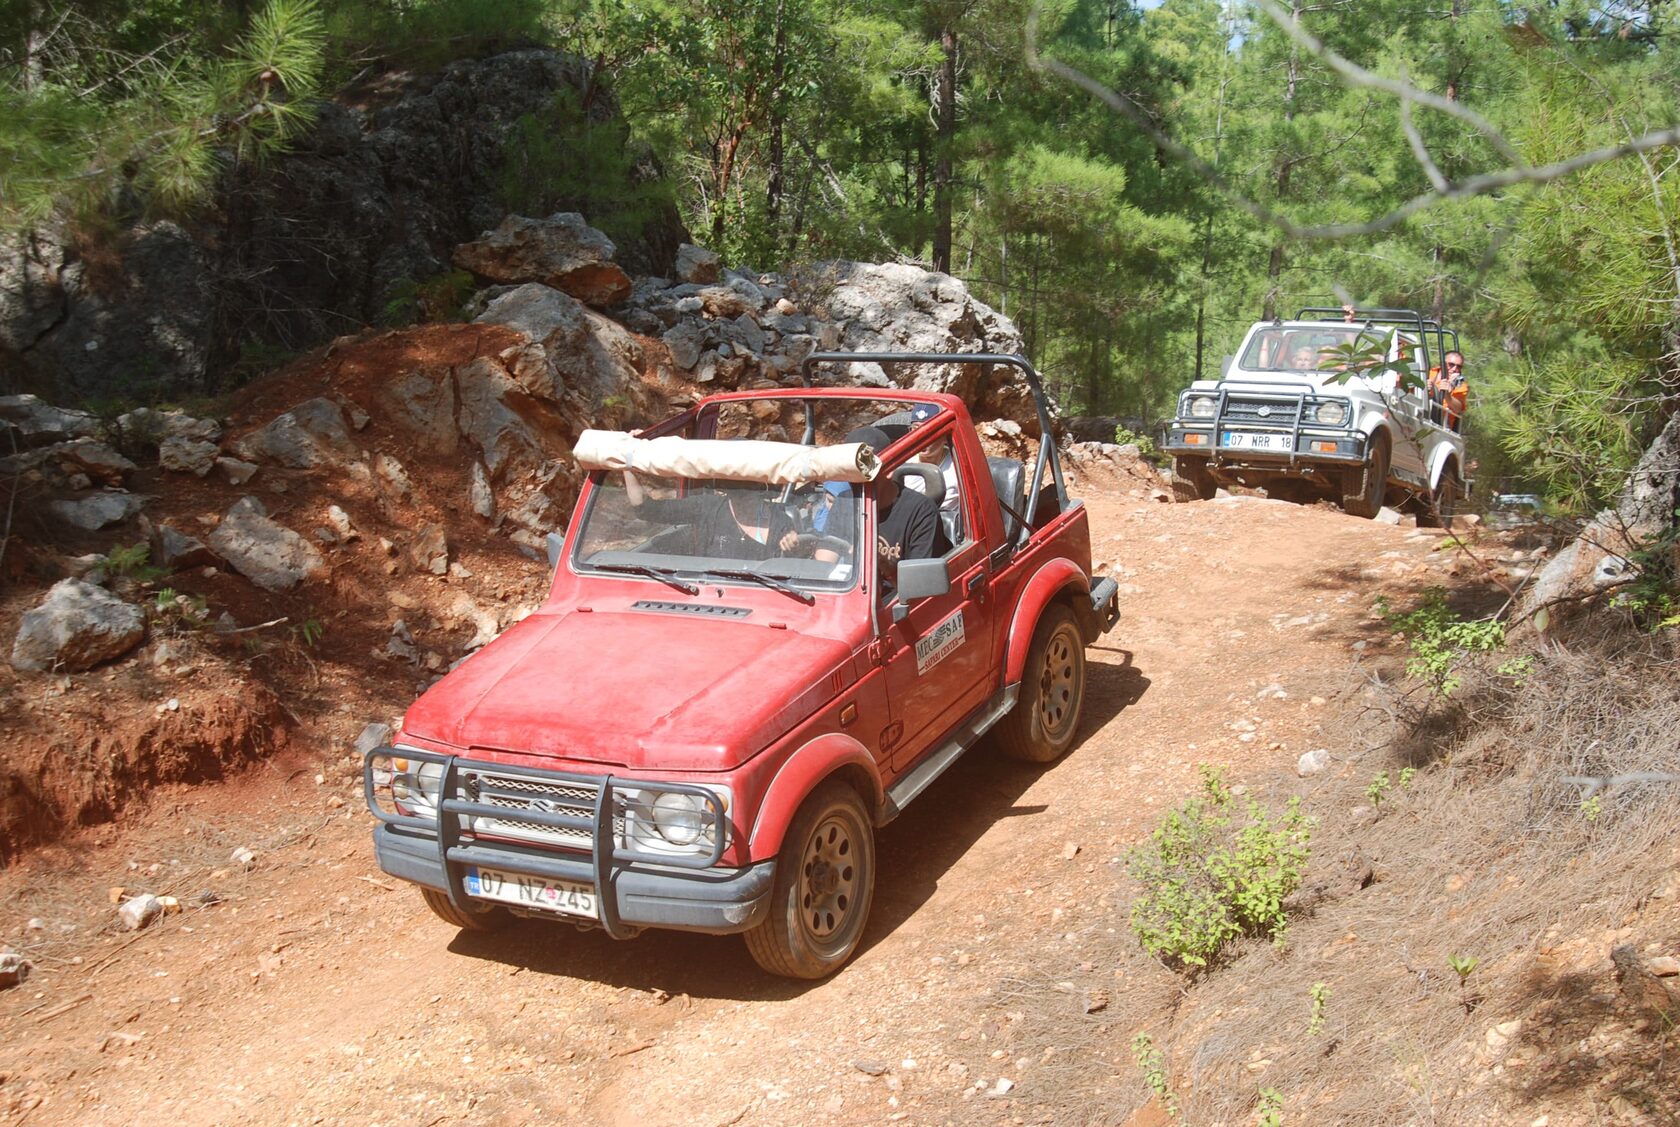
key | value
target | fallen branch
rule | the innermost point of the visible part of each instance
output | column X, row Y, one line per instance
column 64, row 1009
column 248, row 629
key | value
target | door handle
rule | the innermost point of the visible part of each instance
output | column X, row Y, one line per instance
column 974, row 581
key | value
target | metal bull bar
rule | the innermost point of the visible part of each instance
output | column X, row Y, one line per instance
column 597, row 871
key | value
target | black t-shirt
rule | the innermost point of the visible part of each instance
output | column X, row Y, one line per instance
column 906, row 532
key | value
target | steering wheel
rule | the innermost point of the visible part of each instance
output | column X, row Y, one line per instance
column 811, row 541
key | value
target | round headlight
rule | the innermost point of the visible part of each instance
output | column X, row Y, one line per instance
column 416, row 786
column 1201, row 407
column 677, row 818
column 1331, row 413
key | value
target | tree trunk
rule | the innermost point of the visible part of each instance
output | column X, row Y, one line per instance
column 1292, row 79
column 945, row 104
column 34, row 45
column 778, row 76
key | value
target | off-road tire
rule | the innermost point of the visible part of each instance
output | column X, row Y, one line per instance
column 1363, row 488
column 438, row 901
column 1441, row 504
column 825, row 880
column 1192, row 481
column 1041, row 726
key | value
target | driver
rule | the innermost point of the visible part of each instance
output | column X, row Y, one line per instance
column 732, row 521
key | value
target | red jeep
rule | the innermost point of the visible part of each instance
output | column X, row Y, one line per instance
column 722, row 698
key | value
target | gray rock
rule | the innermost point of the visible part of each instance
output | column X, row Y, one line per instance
column 373, row 735
column 139, row 911
column 311, row 434
column 98, row 511
column 76, row 627
column 339, row 520
column 479, row 493
column 506, row 440
column 35, row 423
column 14, row 970
column 188, row 455
column 561, row 251
column 235, row 472
column 94, row 459
column 745, row 333
column 686, row 341
column 696, row 264
column 423, row 403
column 147, row 425
column 1312, row 762
column 175, row 550
column 581, row 352
column 1386, row 515
column 268, row 554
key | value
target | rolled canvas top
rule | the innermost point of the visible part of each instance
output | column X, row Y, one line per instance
column 772, row 463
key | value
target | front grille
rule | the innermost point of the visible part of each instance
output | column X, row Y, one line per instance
column 1279, row 413
column 516, row 793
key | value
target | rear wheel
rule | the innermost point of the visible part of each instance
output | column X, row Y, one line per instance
column 438, row 901
column 1442, row 503
column 1363, row 488
column 1192, row 481
column 825, row 880
column 1040, row 728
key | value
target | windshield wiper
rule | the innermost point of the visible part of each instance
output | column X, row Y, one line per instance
column 768, row 580
column 663, row 574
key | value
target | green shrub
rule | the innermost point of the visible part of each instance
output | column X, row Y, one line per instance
column 1440, row 640
column 1212, row 874
column 1125, row 437
column 442, row 297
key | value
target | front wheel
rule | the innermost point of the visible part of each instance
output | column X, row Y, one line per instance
column 492, row 919
column 825, row 880
column 1363, row 488
column 1192, row 480
column 1040, row 728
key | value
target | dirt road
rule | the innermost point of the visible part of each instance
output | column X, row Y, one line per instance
column 316, row 991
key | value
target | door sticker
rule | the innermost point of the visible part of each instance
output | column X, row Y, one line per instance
column 941, row 642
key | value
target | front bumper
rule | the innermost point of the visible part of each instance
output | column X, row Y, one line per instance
column 717, row 901
column 1304, row 447
column 571, row 830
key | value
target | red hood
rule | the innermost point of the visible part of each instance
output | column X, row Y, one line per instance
column 631, row 689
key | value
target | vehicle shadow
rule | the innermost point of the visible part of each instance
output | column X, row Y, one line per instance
column 913, row 854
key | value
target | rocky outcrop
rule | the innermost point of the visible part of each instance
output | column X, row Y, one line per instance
column 322, row 240
column 314, row 433
column 78, row 626
column 561, row 251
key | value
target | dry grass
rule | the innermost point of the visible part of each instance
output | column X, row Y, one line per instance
column 1488, row 855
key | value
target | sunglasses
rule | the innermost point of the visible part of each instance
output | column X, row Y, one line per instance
column 1450, row 364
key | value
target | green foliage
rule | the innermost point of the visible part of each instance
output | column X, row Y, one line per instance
column 1519, row 669
column 438, row 298
column 1378, row 790
column 1439, row 639
column 1152, row 1064
column 132, row 563
column 108, row 115
column 307, row 632
column 1125, row 437
column 1211, row 874
column 1463, row 966
column 1592, row 808
column 173, row 612
column 1320, row 994
column 1653, row 598
column 1407, row 774
column 1269, row 1111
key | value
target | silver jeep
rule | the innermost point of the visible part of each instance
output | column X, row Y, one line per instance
column 1284, row 416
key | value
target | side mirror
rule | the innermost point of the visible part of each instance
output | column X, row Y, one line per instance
column 921, row 579
column 556, row 545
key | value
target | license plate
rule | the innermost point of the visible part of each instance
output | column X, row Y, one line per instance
column 532, row 892
column 1242, row 440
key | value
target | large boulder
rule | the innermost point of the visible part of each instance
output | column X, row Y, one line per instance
column 100, row 510
column 581, row 352
column 30, row 422
column 267, row 553
column 561, row 251
column 75, row 628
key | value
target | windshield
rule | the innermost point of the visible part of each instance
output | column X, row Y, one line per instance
column 791, row 538
column 1304, row 348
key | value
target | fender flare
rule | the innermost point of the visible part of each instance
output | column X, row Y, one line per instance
column 1049, row 581
column 798, row 776
column 1444, row 454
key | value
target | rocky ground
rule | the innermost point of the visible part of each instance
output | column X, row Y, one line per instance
column 997, row 983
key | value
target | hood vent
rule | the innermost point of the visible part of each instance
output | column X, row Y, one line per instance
column 700, row 610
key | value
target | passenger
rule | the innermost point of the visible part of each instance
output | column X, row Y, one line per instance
column 1448, row 394
column 1303, row 358
column 939, row 454
column 906, row 522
